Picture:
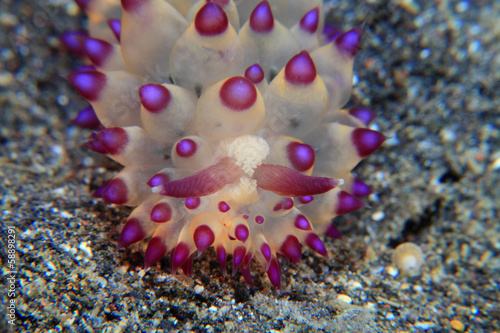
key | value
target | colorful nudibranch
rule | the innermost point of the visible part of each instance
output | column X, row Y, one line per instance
column 227, row 119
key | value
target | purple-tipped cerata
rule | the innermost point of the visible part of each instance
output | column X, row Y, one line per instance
column 95, row 145
column 158, row 180
column 366, row 140
column 222, row 256
column 261, row 19
column 98, row 192
column 87, row 118
column 161, row 213
column 310, row 21
column 179, row 256
column 132, row 5
column 274, row 273
column 186, row 148
column 301, row 156
column 291, row 249
column 154, row 97
column 83, row 3
column 132, row 232
column 238, row 255
column 97, row 50
column 287, row 182
column 155, row 251
column 71, row 39
column 115, row 192
column 333, row 232
column 115, row 26
column 203, row 237
column 192, row 203
column 241, row 233
column 255, row 73
column 307, row 199
column 223, row 206
column 331, row 32
column 347, row 203
column 238, row 93
column 88, row 83
column 315, row 243
column 113, row 139
column 302, row 223
column 363, row 114
column 211, row 20
column 360, row 189
column 348, row 42
column 300, row 69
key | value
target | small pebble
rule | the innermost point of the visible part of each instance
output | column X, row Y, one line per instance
column 418, row 288
column 408, row 257
column 462, row 6
column 496, row 164
column 448, row 135
column 102, row 281
column 378, row 216
column 6, row 78
column 8, row 20
column 424, row 325
column 457, row 325
column 199, row 289
column 392, row 271
column 354, row 284
column 51, row 266
column 344, row 298
column 85, row 248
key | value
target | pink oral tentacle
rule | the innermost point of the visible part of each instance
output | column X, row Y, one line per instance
column 287, row 182
column 204, row 182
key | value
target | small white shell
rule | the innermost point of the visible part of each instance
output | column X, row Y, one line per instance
column 408, row 257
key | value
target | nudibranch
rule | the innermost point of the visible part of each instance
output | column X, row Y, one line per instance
column 227, row 117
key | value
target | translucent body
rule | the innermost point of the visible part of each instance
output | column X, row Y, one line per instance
column 148, row 34
column 239, row 142
column 270, row 49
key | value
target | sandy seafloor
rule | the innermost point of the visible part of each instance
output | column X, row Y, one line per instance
column 431, row 71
